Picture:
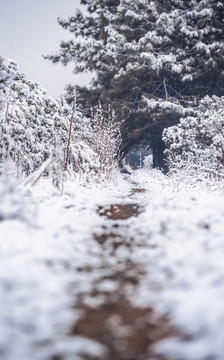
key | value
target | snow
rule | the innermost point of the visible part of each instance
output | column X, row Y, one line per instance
column 37, row 279
column 186, row 265
column 178, row 239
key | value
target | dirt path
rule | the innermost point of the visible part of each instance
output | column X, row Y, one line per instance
column 108, row 315
column 95, row 271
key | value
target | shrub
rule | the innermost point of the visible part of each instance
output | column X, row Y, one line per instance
column 35, row 128
column 105, row 141
column 197, row 142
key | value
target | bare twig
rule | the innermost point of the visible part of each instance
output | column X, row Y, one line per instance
column 70, row 130
column 37, row 175
column 164, row 84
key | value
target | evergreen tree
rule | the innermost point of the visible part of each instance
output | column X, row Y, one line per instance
column 153, row 59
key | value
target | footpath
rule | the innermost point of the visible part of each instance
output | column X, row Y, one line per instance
column 130, row 271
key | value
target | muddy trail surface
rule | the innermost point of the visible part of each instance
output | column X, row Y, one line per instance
column 108, row 315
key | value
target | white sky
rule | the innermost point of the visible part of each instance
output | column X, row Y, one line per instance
column 28, row 29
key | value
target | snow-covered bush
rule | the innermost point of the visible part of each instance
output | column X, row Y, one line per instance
column 28, row 120
column 84, row 161
column 197, row 142
column 94, row 147
column 8, row 70
column 35, row 127
column 105, row 141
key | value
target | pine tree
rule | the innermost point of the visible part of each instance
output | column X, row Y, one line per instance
column 153, row 59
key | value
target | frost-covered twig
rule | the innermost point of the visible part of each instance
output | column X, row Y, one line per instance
column 34, row 177
column 70, row 130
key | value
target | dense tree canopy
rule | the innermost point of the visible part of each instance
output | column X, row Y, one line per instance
column 153, row 59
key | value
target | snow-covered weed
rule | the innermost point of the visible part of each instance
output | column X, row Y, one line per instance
column 105, row 142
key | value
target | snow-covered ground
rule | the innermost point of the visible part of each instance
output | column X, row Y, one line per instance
column 50, row 253
column 185, row 270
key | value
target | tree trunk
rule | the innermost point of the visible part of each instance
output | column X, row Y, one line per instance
column 158, row 148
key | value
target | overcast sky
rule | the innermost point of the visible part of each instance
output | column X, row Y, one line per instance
column 28, row 29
